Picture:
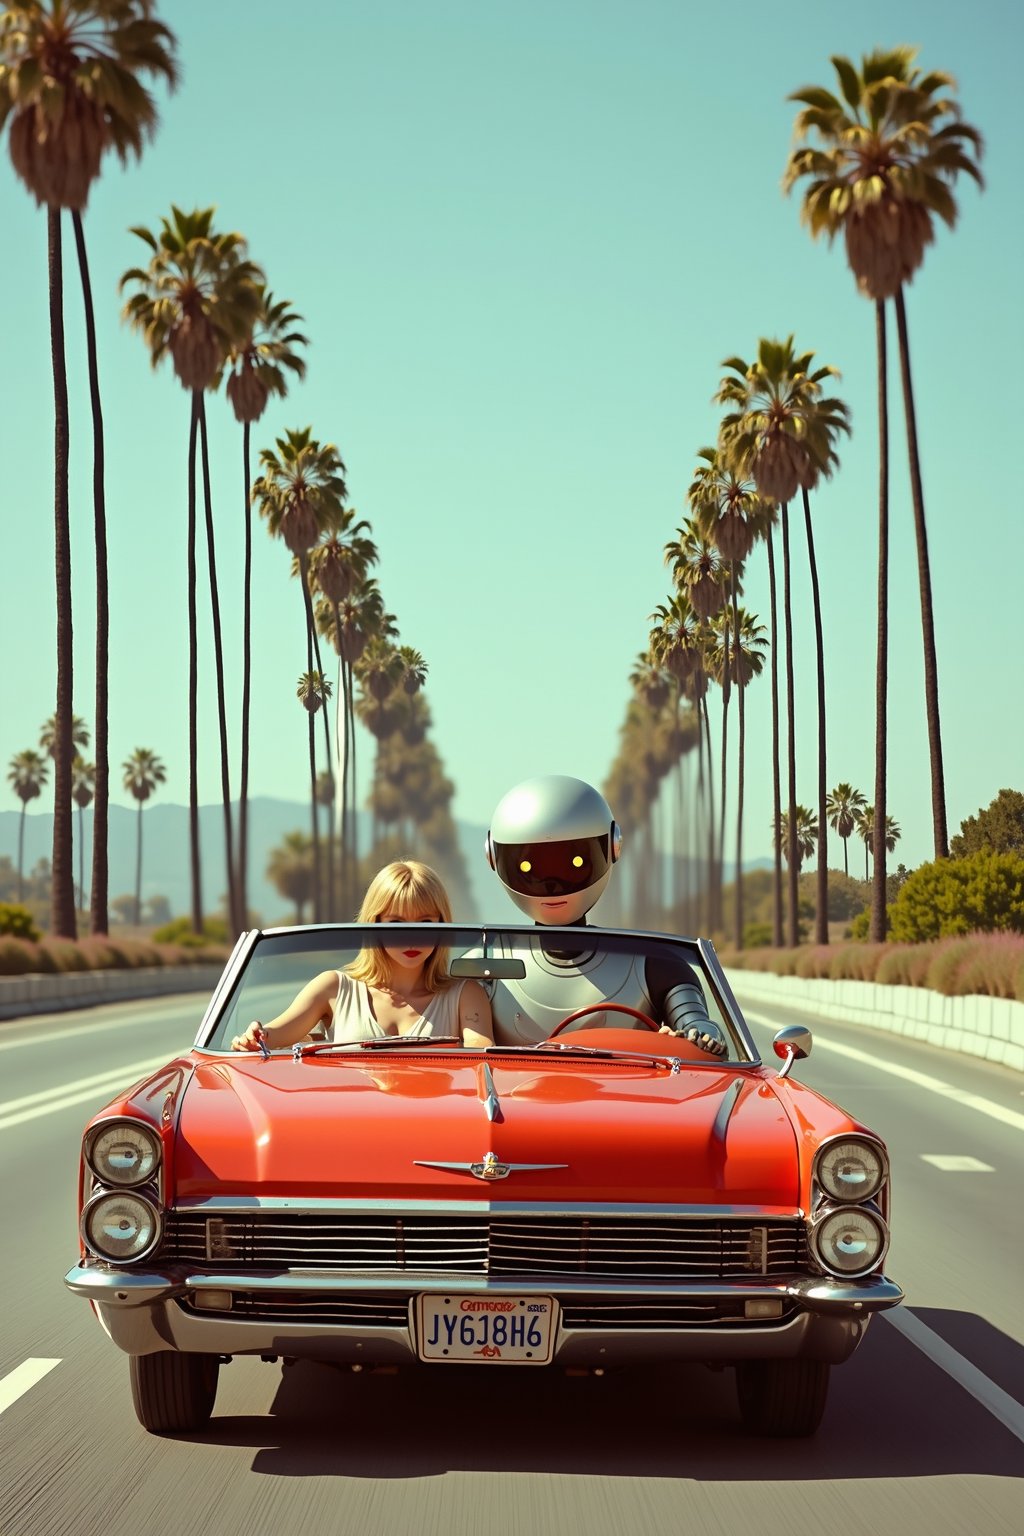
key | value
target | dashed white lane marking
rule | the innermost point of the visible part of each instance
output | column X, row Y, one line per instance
column 908, row 1074
column 22, row 1379
column 33, row 1105
column 999, row 1403
column 952, row 1162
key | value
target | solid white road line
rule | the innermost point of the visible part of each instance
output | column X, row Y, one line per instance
column 22, row 1379
column 908, row 1074
column 34, row 1104
column 999, row 1403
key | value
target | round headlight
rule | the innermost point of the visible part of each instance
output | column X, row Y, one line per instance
column 850, row 1242
column 125, row 1153
column 120, row 1227
column 851, row 1170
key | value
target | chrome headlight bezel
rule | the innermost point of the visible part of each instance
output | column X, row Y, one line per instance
column 103, row 1174
column 97, row 1199
column 847, row 1211
column 874, row 1148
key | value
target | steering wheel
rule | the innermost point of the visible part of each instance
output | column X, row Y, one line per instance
column 582, row 1013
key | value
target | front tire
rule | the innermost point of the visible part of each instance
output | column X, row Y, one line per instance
column 172, row 1391
column 782, row 1398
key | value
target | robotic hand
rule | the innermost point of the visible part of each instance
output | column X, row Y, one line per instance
column 686, row 1015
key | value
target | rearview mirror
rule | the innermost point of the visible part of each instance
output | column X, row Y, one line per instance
column 482, row 968
column 792, row 1043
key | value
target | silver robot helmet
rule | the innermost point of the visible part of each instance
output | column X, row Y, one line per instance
column 552, row 843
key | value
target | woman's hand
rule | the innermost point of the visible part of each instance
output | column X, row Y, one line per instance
column 251, row 1039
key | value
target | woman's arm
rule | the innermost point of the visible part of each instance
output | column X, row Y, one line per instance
column 313, row 1003
column 475, row 1022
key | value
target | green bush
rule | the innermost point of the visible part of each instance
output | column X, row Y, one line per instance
column 17, row 921
column 983, row 892
column 757, row 935
column 215, row 931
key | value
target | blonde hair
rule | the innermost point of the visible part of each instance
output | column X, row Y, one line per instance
column 411, row 891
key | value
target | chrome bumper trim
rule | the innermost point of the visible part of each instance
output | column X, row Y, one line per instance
column 142, row 1314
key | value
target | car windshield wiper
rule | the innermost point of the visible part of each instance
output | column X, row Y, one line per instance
column 595, row 1052
column 388, row 1042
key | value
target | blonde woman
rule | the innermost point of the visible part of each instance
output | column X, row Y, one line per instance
column 395, row 990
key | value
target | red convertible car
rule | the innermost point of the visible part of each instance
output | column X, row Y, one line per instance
column 609, row 1196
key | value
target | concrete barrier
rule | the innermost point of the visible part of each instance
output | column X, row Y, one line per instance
column 992, row 1027
column 24, row 995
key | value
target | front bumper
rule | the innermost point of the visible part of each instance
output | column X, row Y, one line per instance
column 146, row 1311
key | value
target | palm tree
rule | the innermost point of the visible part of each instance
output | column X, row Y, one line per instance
column 312, row 691
column 350, row 625
column 290, row 869
column 866, row 830
column 844, row 806
column 143, row 771
column 83, row 788
column 783, row 430
column 69, row 81
column 801, row 835
column 49, row 732
column 881, row 166
column 26, row 773
column 338, row 568
column 745, row 663
column 258, row 367
column 379, row 671
column 197, row 298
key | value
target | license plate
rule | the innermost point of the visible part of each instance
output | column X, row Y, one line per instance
column 486, row 1330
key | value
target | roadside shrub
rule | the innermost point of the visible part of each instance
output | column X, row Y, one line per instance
column 757, row 935
column 18, row 957
column 981, row 893
column 65, row 954
column 985, row 963
column 18, row 921
column 179, row 931
column 905, row 965
column 814, row 962
column 102, row 954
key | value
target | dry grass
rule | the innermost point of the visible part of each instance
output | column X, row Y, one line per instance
column 991, row 964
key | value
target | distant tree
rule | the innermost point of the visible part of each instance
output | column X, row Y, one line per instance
column 124, row 908
column 83, row 788
column 290, row 869
column 143, row 771
column 842, row 805
column 27, row 774
column 48, row 735
column 894, row 883
column 999, row 826
column 157, row 911
column 805, row 834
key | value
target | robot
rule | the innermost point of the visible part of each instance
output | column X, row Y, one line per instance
column 552, row 843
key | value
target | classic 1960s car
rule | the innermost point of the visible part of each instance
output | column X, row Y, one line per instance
column 610, row 1196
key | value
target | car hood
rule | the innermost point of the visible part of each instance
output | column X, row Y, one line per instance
column 383, row 1128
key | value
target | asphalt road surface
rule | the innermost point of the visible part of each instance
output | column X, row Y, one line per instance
column 924, row 1430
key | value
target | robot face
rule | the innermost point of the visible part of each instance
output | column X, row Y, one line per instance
column 552, row 870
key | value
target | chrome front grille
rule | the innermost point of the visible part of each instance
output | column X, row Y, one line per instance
column 600, row 1247
column 311, row 1307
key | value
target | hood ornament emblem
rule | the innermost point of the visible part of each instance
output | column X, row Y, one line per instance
column 488, row 1168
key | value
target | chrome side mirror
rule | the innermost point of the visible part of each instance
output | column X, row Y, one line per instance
column 792, row 1043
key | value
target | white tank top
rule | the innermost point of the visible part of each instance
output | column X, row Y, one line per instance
column 352, row 1015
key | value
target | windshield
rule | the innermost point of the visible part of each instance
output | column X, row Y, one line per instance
column 533, row 977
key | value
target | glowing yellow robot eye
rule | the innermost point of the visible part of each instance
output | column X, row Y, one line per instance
column 525, row 866
column 577, row 862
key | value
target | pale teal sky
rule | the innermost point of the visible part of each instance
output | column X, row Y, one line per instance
column 523, row 239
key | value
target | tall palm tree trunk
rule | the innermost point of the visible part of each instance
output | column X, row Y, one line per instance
column 878, row 924
column 846, row 856
column 700, row 899
column 62, row 899
column 193, row 679
column 792, row 865
column 138, row 870
column 714, row 875
column 218, row 653
column 311, row 646
column 741, row 687
column 242, row 883
column 354, row 790
column 931, row 668
column 821, row 904
column 100, row 921
column 776, row 785
column 21, row 850
column 726, row 692
column 81, row 858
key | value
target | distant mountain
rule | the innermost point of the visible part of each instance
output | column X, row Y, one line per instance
column 165, row 857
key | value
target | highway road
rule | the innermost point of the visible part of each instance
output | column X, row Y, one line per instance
column 924, row 1429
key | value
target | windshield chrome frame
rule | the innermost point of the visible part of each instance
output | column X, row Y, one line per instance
column 481, row 935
